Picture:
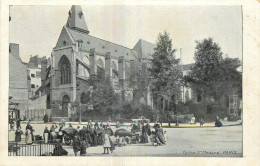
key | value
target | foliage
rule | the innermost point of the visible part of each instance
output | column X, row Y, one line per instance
column 166, row 77
column 212, row 76
column 103, row 96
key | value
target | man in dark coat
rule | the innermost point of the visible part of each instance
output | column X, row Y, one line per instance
column 18, row 123
column 45, row 118
column 76, row 144
column 144, row 135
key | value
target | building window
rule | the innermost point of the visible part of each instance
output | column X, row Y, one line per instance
column 65, row 70
column 80, row 43
column 32, row 86
column 64, row 43
column 32, row 75
column 187, row 98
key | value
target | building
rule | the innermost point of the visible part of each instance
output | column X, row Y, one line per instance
column 35, row 76
column 34, row 71
column 18, row 83
column 77, row 57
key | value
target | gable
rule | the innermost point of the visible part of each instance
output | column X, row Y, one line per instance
column 64, row 37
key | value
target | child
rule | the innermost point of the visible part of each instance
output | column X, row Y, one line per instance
column 107, row 144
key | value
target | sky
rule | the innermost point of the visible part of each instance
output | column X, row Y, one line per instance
column 37, row 28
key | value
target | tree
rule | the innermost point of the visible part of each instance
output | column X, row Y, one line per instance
column 166, row 78
column 103, row 96
column 212, row 76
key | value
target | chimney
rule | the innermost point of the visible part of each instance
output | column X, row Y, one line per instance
column 108, row 72
column 92, row 59
column 43, row 69
column 121, row 72
column 14, row 50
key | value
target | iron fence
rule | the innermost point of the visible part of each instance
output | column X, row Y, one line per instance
column 38, row 148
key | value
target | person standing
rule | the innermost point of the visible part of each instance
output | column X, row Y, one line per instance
column 201, row 122
column 52, row 133
column 76, row 144
column 60, row 134
column 30, row 131
column 83, row 147
column 45, row 118
column 28, row 135
column 107, row 144
column 18, row 134
column 18, row 123
column 46, row 134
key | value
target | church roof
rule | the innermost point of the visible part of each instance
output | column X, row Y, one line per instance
column 144, row 49
column 102, row 46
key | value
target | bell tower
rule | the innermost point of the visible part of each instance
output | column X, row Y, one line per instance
column 76, row 20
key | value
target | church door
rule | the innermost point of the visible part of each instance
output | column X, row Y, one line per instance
column 65, row 101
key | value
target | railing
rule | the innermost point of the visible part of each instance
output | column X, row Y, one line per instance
column 38, row 148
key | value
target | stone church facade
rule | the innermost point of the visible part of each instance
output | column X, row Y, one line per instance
column 77, row 57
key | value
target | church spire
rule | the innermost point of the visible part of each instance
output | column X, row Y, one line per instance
column 76, row 20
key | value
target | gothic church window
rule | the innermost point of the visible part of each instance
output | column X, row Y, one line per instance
column 114, row 70
column 100, row 69
column 65, row 70
column 187, row 95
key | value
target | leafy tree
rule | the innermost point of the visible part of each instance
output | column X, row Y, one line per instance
column 166, row 78
column 212, row 76
column 103, row 96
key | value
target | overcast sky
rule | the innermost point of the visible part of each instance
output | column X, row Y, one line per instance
column 37, row 28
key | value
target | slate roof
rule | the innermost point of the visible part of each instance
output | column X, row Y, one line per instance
column 102, row 46
column 144, row 49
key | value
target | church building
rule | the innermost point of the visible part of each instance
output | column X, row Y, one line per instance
column 77, row 57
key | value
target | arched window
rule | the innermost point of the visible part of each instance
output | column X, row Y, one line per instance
column 65, row 71
column 187, row 97
column 100, row 69
column 114, row 67
column 114, row 70
column 100, row 63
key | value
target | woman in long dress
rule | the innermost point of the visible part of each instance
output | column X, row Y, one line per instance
column 107, row 144
column 18, row 134
column 28, row 136
column 46, row 134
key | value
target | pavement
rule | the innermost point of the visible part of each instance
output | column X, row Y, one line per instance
column 185, row 125
column 192, row 140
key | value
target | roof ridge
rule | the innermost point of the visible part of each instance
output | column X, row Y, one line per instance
column 101, row 39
